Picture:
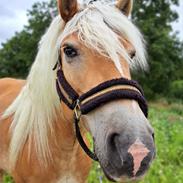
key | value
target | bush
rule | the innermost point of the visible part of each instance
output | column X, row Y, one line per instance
column 176, row 89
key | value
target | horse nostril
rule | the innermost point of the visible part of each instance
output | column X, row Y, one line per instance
column 153, row 136
column 112, row 140
column 113, row 150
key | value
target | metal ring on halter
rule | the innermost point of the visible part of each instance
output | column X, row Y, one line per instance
column 77, row 110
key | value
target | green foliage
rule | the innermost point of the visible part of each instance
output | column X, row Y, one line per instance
column 7, row 179
column 176, row 89
column 165, row 54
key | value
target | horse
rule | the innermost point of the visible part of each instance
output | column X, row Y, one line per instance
column 86, row 53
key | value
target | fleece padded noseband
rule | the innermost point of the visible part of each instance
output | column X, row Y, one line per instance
column 115, row 89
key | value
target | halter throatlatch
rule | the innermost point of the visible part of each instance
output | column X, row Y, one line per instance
column 105, row 92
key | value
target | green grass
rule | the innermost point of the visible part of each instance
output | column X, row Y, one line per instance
column 7, row 179
column 167, row 121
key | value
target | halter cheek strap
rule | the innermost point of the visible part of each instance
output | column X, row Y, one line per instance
column 105, row 92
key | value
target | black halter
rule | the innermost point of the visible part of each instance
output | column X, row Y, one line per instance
column 105, row 92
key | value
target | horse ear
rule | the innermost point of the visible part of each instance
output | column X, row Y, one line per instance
column 67, row 9
column 125, row 6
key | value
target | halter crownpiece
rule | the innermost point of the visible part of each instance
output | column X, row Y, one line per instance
column 115, row 89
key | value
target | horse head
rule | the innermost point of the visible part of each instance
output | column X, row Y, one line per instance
column 100, row 44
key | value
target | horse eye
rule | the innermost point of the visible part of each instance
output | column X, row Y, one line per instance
column 132, row 54
column 70, row 52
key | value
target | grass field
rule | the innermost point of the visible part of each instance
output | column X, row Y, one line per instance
column 167, row 121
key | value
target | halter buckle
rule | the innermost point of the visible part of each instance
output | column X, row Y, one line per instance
column 77, row 110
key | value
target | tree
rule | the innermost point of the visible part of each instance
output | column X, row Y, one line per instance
column 164, row 49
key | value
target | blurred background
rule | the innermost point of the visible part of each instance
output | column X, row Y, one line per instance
column 22, row 23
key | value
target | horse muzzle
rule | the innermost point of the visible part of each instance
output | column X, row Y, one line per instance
column 123, row 141
column 125, row 161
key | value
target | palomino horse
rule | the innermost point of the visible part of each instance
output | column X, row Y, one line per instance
column 89, row 45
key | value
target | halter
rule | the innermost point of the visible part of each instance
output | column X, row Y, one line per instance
column 105, row 92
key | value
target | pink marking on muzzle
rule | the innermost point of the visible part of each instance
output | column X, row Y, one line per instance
column 139, row 151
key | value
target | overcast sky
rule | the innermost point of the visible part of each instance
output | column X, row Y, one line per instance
column 13, row 17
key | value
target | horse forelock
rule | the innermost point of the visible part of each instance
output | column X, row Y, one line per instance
column 101, row 27
column 36, row 106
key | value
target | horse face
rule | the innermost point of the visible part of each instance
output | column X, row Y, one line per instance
column 123, row 137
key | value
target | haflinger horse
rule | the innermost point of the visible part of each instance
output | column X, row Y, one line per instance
column 82, row 69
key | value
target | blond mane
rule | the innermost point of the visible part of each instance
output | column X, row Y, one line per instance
column 35, row 109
